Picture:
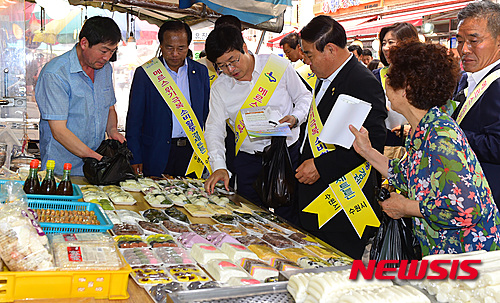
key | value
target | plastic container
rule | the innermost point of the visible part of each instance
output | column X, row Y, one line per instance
column 51, row 228
column 64, row 284
column 77, row 194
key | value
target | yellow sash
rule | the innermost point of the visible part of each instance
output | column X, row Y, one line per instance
column 306, row 73
column 212, row 74
column 476, row 94
column 345, row 193
column 260, row 94
column 383, row 75
column 178, row 104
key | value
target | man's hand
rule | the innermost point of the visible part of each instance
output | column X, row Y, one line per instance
column 307, row 172
column 115, row 134
column 216, row 176
column 137, row 168
column 290, row 119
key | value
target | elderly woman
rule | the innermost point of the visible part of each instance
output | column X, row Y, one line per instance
column 445, row 189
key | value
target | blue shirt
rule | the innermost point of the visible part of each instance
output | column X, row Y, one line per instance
column 443, row 174
column 65, row 92
column 181, row 79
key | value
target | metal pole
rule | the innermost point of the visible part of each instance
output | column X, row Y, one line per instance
column 260, row 41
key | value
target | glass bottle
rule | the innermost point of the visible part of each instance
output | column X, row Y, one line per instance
column 48, row 186
column 32, row 184
column 65, row 187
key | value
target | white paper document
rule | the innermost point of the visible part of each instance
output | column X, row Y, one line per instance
column 263, row 121
column 393, row 118
column 347, row 110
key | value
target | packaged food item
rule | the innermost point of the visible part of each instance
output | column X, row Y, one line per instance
column 113, row 217
column 105, row 204
column 196, row 198
column 232, row 230
column 67, row 216
column 175, row 227
column 202, row 229
column 268, row 216
column 65, row 187
column 219, row 210
column 283, row 264
column 253, row 227
column 151, row 227
column 251, row 239
column 160, row 292
column 130, row 241
column 23, row 244
column 277, row 240
column 322, row 252
column 203, row 253
column 272, row 228
column 161, row 240
column 173, row 255
column 32, row 183
column 111, row 189
column 87, row 256
column 158, row 200
column 225, row 219
column 312, row 262
column 189, row 239
column 187, row 273
column 131, row 185
column 219, row 238
column 140, row 256
column 264, row 252
column 258, row 269
column 48, row 186
column 223, row 270
column 154, row 215
column 303, row 239
column 176, row 214
column 203, row 285
column 196, row 210
column 219, row 200
column 126, row 229
column 129, row 216
column 150, row 275
column 237, row 281
column 295, row 253
column 80, row 237
column 237, row 251
column 147, row 182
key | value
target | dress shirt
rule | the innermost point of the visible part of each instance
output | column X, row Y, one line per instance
column 65, row 92
column 181, row 79
column 227, row 95
column 473, row 79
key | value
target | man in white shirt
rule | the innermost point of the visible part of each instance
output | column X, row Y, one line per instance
column 339, row 72
column 478, row 113
column 241, row 69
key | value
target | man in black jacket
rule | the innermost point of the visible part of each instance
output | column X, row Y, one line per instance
column 339, row 72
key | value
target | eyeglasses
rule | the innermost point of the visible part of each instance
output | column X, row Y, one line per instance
column 232, row 63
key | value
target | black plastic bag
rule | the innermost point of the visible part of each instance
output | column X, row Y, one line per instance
column 113, row 167
column 275, row 184
column 394, row 239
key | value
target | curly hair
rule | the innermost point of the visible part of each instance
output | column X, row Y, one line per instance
column 427, row 72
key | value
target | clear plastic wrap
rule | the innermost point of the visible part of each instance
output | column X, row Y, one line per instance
column 87, row 256
column 80, row 237
column 23, row 244
column 12, row 192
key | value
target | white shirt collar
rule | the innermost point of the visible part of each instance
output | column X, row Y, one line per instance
column 181, row 68
column 479, row 75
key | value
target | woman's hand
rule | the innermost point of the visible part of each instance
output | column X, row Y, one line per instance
column 362, row 144
column 397, row 206
column 397, row 130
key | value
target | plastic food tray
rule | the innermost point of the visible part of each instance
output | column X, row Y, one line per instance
column 54, row 228
column 77, row 194
column 100, row 284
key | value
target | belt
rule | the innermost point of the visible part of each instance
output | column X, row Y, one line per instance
column 180, row 141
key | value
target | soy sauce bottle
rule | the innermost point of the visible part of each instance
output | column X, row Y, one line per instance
column 32, row 184
column 48, row 186
column 65, row 187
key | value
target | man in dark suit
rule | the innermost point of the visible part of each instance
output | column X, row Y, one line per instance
column 478, row 113
column 155, row 137
column 339, row 72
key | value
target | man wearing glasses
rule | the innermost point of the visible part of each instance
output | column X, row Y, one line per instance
column 230, row 92
column 154, row 133
column 76, row 98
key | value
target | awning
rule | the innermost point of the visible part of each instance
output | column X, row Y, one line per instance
column 273, row 41
column 414, row 17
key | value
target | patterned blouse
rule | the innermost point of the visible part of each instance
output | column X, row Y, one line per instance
column 442, row 173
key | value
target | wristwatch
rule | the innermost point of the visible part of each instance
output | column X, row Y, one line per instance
column 296, row 122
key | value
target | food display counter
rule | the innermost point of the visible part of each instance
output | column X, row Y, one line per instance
column 139, row 294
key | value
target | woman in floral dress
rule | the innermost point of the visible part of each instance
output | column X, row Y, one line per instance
column 442, row 183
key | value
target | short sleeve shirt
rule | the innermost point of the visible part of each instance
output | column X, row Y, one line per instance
column 443, row 174
column 65, row 92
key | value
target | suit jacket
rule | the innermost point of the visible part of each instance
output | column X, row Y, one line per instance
column 149, row 119
column 481, row 125
column 355, row 80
